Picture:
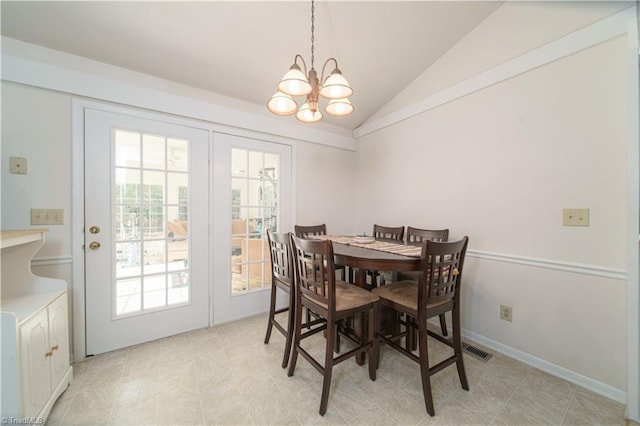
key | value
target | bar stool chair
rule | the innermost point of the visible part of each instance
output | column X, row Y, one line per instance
column 394, row 233
column 318, row 291
column 417, row 236
column 282, row 277
column 309, row 231
column 436, row 292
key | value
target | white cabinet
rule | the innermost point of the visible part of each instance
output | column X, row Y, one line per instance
column 35, row 336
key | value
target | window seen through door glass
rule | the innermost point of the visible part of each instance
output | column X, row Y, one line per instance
column 151, row 214
column 254, row 210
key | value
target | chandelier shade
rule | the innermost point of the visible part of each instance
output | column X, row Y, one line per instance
column 282, row 104
column 336, row 86
column 308, row 115
column 294, row 82
column 339, row 107
column 297, row 82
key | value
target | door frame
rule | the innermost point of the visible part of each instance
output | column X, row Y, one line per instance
column 77, row 307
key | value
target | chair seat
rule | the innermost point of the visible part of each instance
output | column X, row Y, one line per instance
column 349, row 296
column 403, row 293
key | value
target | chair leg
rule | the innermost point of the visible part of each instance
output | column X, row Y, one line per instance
column 424, row 367
column 374, row 352
column 457, row 347
column 443, row 325
column 291, row 321
column 411, row 341
column 328, row 368
column 272, row 309
column 296, row 339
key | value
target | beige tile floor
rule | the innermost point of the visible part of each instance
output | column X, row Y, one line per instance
column 226, row 375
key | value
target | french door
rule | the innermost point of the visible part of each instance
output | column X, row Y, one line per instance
column 146, row 230
column 252, row 193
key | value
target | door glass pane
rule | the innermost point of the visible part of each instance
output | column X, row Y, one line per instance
column 153, row 152
column 151, row 211
column 239, row 162
column 128, row 296
column 127, row 149
column 177, row 155
column 254, row 209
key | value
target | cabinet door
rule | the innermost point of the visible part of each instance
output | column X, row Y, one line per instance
column 58, row 339
column 35, row 376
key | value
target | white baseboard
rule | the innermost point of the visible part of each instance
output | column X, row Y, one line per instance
column 548, row 367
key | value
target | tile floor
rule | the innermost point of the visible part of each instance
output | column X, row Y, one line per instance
column 226, row 375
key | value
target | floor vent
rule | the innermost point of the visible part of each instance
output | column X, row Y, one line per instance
column 476, row 353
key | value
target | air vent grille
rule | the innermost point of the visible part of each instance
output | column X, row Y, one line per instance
column 476, row 353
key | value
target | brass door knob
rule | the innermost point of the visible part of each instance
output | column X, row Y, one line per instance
column 94, row 229
column 94, row 245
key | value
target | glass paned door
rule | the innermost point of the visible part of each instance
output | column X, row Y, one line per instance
column 254, row 210
column 151, row 223
column 251, row 194
column 146, row 246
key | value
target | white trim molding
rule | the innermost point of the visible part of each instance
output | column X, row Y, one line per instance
column 548, row 367
column 592, row 35
column 51, row 260
column 633, row 228
column 578, row 268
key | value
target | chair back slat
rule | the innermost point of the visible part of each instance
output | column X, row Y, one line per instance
column 418, row 235
column 308, row 231
column 388, row 232
column 441, row 266
column 281, row 258
column 314, row 270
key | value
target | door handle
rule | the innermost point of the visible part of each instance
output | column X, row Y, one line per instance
column 94, row 229
column 94, row 245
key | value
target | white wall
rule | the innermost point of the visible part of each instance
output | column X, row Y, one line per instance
column 325, row 180
column 499, row 165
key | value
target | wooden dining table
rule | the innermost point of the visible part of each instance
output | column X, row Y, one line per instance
column 380, row 255
column 363, row 257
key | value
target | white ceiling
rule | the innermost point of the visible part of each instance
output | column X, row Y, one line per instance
column 241, row 49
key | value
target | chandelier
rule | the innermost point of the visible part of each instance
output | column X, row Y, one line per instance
column 296, row 83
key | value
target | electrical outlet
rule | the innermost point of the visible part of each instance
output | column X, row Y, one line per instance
column 18, row 165
column 47, row 216
column 506, row 313
column 575, row 217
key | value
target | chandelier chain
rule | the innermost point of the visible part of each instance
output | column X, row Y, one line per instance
column 312, row 32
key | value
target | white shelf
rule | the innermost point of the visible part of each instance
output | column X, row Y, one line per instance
column 24, row 306
column 20, row 236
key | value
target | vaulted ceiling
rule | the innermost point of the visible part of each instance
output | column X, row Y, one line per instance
column 241, row 49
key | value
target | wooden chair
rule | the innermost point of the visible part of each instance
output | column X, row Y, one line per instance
column 309, row 231
column 318, row 291
column 436, row 292
column 417, row 236
column 388, row 232
column 395, row 233
column 282, row 277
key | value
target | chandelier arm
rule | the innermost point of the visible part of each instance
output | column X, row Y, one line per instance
column 325, row 65
column 304, row 64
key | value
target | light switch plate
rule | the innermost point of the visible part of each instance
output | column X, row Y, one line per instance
column 18, row 165
column 575, row 217
column 47, row 216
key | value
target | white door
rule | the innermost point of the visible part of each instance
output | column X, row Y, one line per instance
column 252, row 192
column 146, row 230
